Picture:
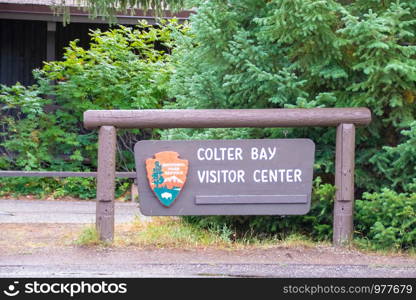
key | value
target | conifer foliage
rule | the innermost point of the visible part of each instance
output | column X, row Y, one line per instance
column 309, row 53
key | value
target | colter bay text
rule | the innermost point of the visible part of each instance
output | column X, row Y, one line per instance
column 269, row 175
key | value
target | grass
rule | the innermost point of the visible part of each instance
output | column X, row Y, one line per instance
column 171, row 232
column 167, row 232
column 365, row 246
column 88, row 237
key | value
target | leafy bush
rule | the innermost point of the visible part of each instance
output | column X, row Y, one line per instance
column 28, row 132
column 239, row 54
column 81, row 188
column 124, row 68
column 41, row 187
column 387, row 219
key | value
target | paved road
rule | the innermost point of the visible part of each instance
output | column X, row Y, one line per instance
column 44, row 211
column 132, row 262
column 204, row 270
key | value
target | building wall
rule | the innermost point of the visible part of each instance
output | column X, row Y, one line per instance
column 70, row 32
column 22, row 49
column 23, row 46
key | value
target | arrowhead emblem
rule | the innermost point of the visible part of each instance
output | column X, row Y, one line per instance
column 166, row 174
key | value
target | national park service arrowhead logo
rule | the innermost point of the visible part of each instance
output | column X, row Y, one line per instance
column 166, row 174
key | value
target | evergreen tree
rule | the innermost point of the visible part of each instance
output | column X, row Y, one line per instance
column 157, row 174
column 306, row 53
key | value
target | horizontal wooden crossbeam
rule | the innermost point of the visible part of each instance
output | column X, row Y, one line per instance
column 226, row 118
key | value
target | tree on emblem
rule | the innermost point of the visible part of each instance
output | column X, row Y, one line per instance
column 157, row 174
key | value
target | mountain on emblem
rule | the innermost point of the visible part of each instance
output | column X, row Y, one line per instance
column 166, row 174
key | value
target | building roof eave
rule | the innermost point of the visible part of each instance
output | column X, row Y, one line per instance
column 41, row 12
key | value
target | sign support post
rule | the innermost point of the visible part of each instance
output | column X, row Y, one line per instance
column 344, row 182
column 345, row 119
column 106, row 174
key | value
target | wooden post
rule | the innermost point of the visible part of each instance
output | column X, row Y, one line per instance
column 106, row 182
column 344, row 181
column 50, row 56
column 50, row 41
column 134, row 192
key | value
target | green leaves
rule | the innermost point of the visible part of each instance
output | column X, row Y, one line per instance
column 124, row 68
column 399, row 163
column 22, row 115
column 18, row 97
column 387, row 219
column 385, row 48
column 281, row 53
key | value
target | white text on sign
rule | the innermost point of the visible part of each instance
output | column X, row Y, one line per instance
column 223, row 153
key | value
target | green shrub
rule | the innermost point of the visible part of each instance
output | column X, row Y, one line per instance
column 30, row 139
column 124, row 68
column 399, row 163
column 81, row 188
column 387, row 219
column 40, row 187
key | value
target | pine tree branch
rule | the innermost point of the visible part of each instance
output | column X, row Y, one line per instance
column 108, row 9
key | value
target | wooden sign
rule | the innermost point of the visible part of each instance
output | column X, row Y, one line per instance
column 225, row 177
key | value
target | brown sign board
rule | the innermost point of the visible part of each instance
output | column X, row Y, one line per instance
column 225, row 177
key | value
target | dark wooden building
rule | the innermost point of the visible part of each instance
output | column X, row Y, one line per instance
column 30, row 34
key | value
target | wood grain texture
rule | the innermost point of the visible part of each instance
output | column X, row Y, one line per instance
column 344, row 162
column 107, row 139
column 105, row 220
column 226, row 118
column 344, row 182
column 106, row 182
column 106, row 163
